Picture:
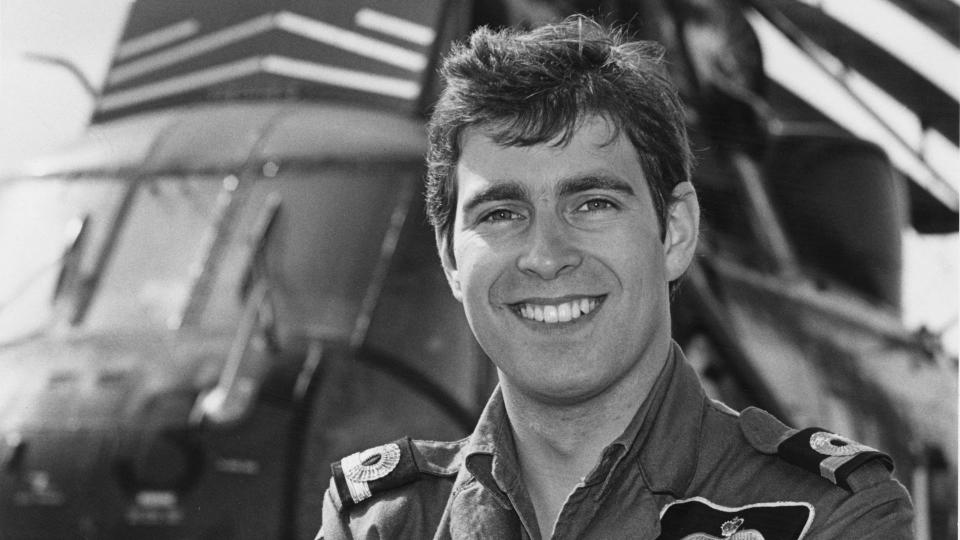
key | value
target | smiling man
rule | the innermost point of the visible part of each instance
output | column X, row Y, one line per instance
column 559, row 190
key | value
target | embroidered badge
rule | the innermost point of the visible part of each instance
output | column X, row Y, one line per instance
column 831, row 444
column 730, row 527
column 831, row 456
column 371, row 464
column 700, row 519
column 748, row 534
column 359, row 476
column 730, row 530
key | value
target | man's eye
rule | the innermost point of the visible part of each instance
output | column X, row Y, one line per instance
column 501, row 215
column 594, row 205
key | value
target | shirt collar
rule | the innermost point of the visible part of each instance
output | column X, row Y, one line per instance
column 662, row 438
column 490, row 453
column 666, row 446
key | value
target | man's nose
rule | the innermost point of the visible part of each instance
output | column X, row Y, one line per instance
column 550, row 251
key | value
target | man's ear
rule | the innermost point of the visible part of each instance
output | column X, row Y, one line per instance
column 449, row 265
column 683, row 229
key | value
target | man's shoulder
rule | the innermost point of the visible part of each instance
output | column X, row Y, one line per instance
column 383, row 469
column 833, row 458
column 830, row 484
column 755, row 443
column 395, row 490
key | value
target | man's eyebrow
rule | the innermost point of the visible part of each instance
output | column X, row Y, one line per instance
column 504, row 191
column 571, row 186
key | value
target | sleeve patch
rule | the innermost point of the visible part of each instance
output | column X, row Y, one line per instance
column 831, row 456
column 359, row 476
column 700, row 519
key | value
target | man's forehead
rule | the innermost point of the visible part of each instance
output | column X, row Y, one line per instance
column 591, row 155
column 506, row 134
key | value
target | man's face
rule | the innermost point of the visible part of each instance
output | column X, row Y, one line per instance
column 559, row 261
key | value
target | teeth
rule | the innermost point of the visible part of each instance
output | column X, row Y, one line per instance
column 564, row 312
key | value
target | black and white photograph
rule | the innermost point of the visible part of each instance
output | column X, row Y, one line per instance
column 507, row 269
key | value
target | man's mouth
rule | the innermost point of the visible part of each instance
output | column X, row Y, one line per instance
column 562, row 312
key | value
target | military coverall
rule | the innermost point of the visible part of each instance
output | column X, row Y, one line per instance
column 686, row 467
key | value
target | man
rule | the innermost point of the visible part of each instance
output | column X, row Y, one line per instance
column 559, row 191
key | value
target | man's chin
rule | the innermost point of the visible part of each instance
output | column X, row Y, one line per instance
column 560, row 392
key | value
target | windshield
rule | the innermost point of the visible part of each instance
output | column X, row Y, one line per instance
column 37, row 219
column 188, row 243
column 146, row 278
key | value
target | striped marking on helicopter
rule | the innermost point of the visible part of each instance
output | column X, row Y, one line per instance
column 397, row 27
column 916, row 45
column 158, row 38
column 351, row 41
column 272, row 64
column 833, row 88
column 185, row 51
column 346, row 78
column 313, row 29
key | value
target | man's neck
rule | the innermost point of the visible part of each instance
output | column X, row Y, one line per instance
column 559, row 444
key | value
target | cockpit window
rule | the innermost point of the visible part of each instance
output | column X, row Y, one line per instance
column 161, row 239
column 38, row 217
column 323, row 250
column 189, row 245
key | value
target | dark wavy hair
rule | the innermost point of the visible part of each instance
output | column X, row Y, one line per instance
column 531, row 87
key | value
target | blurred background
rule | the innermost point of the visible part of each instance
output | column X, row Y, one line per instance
column 44, row 108
column 202, row 274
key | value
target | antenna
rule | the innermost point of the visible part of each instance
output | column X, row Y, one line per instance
column 67, row 64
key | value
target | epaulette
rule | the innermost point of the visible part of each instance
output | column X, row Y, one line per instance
column 360, row 476
column 844, row 462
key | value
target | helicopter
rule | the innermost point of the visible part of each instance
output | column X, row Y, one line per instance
column 228, row 281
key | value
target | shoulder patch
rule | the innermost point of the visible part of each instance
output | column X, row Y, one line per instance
column 817, row 450
column 700, row 519
column 359, row 476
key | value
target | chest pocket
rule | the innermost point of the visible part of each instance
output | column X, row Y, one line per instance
column 700, row 519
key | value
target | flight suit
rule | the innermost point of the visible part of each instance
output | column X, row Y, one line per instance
column 686, row 467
